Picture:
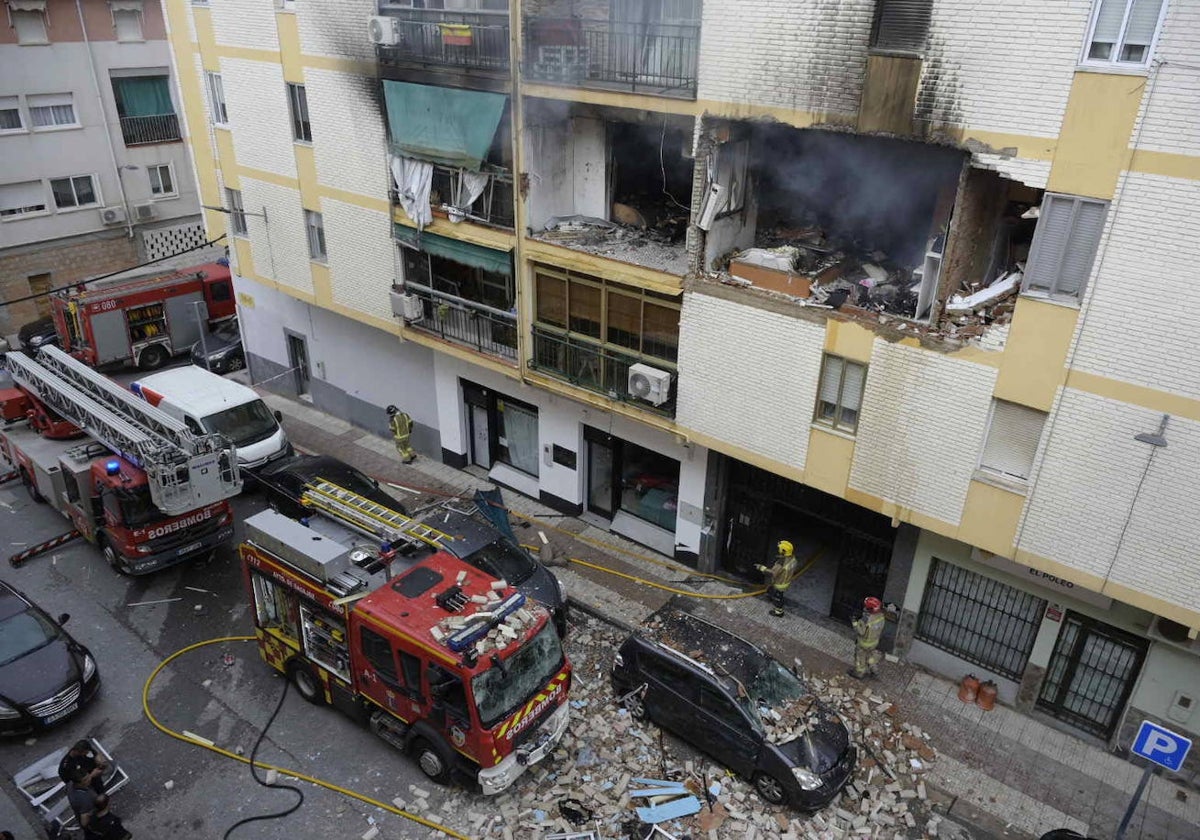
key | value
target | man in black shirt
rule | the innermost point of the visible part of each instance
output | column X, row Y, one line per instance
column 81, row 756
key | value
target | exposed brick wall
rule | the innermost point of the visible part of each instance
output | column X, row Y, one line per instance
column 66, row 262
column 257, row 101
column 361, row 257
column 349, row 137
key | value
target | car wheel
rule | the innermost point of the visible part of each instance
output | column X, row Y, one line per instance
column 306, row 682
column 112, row 558
column 31, row 488
column 153, row 357
column 636, row 705
column 433, row 762
column 769, row 789
column 236, row 362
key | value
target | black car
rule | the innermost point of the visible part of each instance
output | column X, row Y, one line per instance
column 38, row 333
column 284, row 481
column 45, row 675
column 221, row 350
column 731, row 700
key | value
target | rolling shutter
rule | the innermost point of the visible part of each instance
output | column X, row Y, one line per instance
column 1012, row 439
column 902, row 25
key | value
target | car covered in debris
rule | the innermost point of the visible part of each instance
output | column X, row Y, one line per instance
column 728, row 698
column 283, row 483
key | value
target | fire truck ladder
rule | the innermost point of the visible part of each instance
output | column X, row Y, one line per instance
column 184, row 471
column 370, row 518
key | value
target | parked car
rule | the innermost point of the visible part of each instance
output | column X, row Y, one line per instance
column 731, row 700
column 37, row 333
column 283, row 483
column 45, row 675
column 221, row 350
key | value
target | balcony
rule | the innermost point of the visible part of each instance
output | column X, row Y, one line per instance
column 467, row 40
column 592, row 367
column 140, row 131
column 465, row 323
column 493, row 207
column 640, row 57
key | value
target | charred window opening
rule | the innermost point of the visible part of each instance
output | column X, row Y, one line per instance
column 651, row 180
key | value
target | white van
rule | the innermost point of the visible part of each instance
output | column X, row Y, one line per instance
column 208, row 403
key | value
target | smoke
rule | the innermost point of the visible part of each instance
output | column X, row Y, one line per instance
column 874, row 192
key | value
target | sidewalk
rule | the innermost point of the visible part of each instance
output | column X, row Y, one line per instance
column 1004, row 772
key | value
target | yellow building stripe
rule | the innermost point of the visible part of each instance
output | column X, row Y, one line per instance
column 1139, row 395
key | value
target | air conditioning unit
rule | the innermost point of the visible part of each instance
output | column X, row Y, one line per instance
column 384, row 31
column 649, row 384
column 144, row 212
column 408, row 307
column 1173, row 633
column 113, row 215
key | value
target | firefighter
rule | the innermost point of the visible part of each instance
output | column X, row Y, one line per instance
column 781, row 575
column 401, row 425
column 868, row 627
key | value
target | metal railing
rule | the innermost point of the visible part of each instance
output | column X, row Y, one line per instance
column 161, row 128
column 641, row 57
column 474, row 40
column 465, row 322
column 592, row 366
column 494, row 205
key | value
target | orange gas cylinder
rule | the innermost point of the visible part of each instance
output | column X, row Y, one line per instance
column 986, row 699
column 968, row 688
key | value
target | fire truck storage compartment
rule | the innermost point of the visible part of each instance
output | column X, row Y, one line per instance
column 41, row 451
column 111, row 334
column 318, row 549
column 325, row 640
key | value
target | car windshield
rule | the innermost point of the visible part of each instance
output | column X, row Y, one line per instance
column 23, row 633
column 504, row 560
column 500, row 691
column 137, row 508
column 228, row 331
column 243, row 424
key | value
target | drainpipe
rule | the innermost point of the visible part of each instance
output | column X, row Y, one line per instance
column 112, row 152
column 517, row 133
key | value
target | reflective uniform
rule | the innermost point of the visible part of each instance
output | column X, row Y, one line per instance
column 868, row 628
column 401, row 425
column 781, row 575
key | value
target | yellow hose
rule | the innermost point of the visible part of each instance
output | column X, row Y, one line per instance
column 281, row 770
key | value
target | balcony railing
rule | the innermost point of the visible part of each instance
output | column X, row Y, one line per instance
column 162, row 128
column 590, row 366
column 494, row 206
column 641, row 57
column 472, row 40
column 466, row 323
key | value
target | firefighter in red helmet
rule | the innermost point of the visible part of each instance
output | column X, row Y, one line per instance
column 868, row 628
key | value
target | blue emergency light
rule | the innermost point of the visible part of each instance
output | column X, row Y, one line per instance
column 112, row 467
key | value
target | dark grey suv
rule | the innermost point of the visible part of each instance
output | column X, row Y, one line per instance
column 731, row 700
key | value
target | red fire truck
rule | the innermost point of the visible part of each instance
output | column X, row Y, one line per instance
column 138, row 484
column 441, row 660
column 143, row 322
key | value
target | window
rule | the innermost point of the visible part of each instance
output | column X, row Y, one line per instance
column 315, row 225
column 1012, row 440
column 840, row 393
column 162, row 180
column 216, row 98
column 298, row 106
column 52, row 110
column 77, row 191
column 29, row 20
column 502, row 429
column 378, row 652
column 127, row 19
column 237, row 213
column 146, row 110
column 1064, row 245
column 901, row 25
column 23, row 199
column 10, row 115
column 1122, row 32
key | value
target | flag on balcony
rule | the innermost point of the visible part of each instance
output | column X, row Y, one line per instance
column 455, row 34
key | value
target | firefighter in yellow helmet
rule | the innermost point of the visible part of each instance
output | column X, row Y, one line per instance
column 401, row 426
column 781, row 575
column 867, row 628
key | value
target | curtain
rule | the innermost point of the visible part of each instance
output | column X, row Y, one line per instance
column 144, row 96
column 521, row 432
column 413, row 181
column 469, row 186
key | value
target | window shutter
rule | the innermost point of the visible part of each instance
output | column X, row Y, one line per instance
column 1012, row 439
column 904, row 24
column 1108, row 22
column 1049, row 243
column 1143, row 20
column 852, row 385
column 831, row 379
column 24, row 194
column 1081, row 248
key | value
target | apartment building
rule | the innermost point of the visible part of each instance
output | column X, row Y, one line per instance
column 906, row 282
column 94, row 173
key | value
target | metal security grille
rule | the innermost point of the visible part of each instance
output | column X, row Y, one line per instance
column 979, row 619
column 1091, row 674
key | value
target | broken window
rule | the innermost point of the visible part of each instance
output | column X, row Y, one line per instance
column 901, row 25
column 1012, row 440
column 840, row 394
column 651, row 179
column 1064, row 245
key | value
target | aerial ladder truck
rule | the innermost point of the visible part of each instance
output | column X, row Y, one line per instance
column 133, row 480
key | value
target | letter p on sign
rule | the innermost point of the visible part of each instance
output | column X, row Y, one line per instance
column 1162, row 746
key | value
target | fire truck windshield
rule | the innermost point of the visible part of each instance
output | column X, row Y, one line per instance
column 500, row 691
column 137, row 508
column 243, row 424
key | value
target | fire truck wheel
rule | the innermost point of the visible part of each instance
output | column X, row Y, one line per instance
column 153, row 357
column 111, row 556
column 306, row 682
column 31, row 487
column 434, row 762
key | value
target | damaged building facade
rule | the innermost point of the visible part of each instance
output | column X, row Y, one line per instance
column 714, row 274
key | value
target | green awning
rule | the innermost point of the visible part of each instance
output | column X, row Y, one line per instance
column 475, row 256
column 442, row 125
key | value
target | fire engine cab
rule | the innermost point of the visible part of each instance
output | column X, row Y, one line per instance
column 441, row 660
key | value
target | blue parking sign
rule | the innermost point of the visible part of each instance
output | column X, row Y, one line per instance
column 1162, row 746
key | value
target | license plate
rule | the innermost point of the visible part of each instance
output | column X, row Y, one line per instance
column 188, row 549
column 62, row 714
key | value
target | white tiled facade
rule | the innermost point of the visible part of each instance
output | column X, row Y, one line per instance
column 349, row 137
column 256, row 99
column 361, row 257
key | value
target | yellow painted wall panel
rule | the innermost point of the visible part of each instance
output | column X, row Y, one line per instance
column 202, row 17
column 1035, row 354
column 243, row 256
column 1093, row 145
column 990, row 517
column 827, row 466
column 849, row 340
column 306, row 168
column 322, row 285
column 289, row 47
column 226, row 159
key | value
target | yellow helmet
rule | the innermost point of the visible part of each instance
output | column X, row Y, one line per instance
column 785, row 548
